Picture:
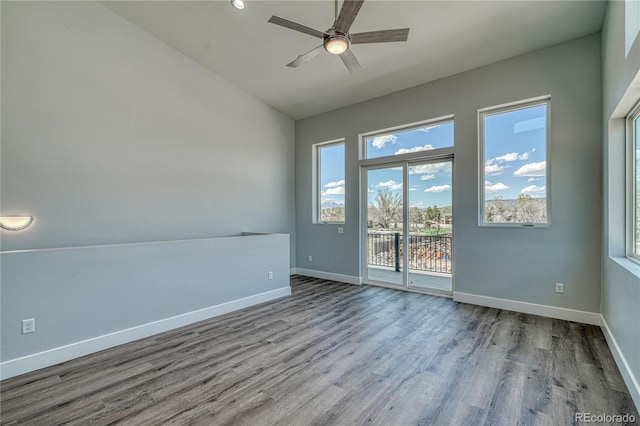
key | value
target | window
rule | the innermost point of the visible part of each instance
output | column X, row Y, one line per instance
column 633, row 126
column 421, row 137
column 514, row 173
column 329, row 185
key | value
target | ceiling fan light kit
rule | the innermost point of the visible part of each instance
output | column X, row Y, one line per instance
column 336, row 43
column 337, row 40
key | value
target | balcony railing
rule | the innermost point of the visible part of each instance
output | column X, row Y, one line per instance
column 429, row 253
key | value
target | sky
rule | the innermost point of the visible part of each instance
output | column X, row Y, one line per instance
column 332, row 175
column 514, row 161
column 421, row 139
column 515, row 153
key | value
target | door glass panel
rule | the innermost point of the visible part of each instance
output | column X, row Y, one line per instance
column 384, row 225
column 430, row 247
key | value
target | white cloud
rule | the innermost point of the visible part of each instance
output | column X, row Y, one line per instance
column 413, row 188
column 334, row 184
column 336, row 190
column 511, row 156
column 427, row 177
column 438, row 188
column 431, row 168
column 534, row 189
column 493, row 169
column 489, row 187
column 414, row 149
column 532, row 169
column 380, row 141
column 391, row 184
column 533, row 179
column 427, row 129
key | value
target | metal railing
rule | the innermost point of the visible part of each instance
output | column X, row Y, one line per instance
column 430, row 253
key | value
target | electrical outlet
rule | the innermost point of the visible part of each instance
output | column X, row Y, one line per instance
column 310, row 258
column 270, row 275
column 340, row 230
column 28, row 326
column 559, row 288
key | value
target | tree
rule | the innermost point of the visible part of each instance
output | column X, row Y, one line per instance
column 415, row 217
column 387, row 209
column 495, row 210
column 429, row 214
column 434, row 214
column 528, row 211
column 437, row 215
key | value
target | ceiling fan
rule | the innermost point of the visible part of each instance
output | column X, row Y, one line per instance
column 337, row 40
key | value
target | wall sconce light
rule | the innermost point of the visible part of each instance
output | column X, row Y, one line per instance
column 15, row 223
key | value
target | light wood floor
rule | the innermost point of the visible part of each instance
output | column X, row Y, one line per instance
column 336, row 354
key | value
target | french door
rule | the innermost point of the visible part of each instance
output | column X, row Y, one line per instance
column 407, row 237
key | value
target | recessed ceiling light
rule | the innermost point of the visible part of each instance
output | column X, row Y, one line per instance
column 238, row 4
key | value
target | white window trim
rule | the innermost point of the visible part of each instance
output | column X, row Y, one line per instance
column 498, row 109
column 317, row 191
column 631, row 198
column 405, row 128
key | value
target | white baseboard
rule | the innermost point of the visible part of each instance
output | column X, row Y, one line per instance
column 529, row 308
column 629, row 379
column 54, row 356
column 293, row 271
column 349, row 279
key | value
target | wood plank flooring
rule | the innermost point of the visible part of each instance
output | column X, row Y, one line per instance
column 335, row 354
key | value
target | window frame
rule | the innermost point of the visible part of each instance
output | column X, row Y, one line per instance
column 406, row 128
column 631, row 181
column 500, row 109
column 317, row 181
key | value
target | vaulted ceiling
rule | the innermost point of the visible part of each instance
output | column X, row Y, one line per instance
column 446, row 37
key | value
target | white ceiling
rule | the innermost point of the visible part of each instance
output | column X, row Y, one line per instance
column 446, row 37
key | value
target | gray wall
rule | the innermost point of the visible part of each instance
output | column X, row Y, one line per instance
column 108, row 137
column 88, row 292
column 111, row 136
column 620, row 276
column 520, row 264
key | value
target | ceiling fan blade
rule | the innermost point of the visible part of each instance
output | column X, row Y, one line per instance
column 348, row 13
column 303, row 59
column 350, row 61
column 295, row 26
column 383, row 36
